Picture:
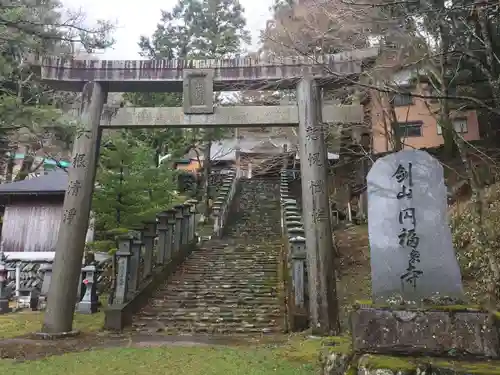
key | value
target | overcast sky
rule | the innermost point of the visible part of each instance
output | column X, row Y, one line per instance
column 135, row 18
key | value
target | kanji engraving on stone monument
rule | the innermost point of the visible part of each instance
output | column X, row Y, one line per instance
column 407, row 215
column 412, row 255
column 408, row 238
column 403, row 175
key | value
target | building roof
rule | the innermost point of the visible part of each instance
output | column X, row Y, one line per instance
column 225, row 149
column 46, row 161
column 51, row 183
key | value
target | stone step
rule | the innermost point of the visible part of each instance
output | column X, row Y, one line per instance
column 214, row 318
column 239, row 250
column 237, row 297
column 234, row 280
column 160, row 309
column 198, row 275
column 157, row 307
column 222, row 259
column 203, row 291
column 198, row 263
column 229, row 285
column 242, row 271
column 226, row 288
column 214, row 326
column 232, row 274
column 247, row 259
column 216, row 302
column 183, row 328
column 266, row 278
column 248, row 262
column 248, row 285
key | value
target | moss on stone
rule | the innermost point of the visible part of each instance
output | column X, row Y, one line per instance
column 373, row 362
column 471, row 368
column 446, row 308
column 352, row 370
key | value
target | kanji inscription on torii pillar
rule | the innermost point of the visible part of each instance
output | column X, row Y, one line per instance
column 198, row 91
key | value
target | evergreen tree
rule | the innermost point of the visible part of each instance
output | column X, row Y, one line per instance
column 195, row 29
column 28, row 109
column 130, row 187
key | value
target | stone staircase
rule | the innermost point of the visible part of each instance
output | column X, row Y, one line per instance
column 228, row 285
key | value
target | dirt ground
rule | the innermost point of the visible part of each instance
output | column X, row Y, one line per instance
column 31, row 348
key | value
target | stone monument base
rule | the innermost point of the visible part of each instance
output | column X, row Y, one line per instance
column 87, row 307
column 445, row 331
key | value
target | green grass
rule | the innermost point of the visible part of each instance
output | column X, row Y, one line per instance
column 26, row 322
column 165, row 361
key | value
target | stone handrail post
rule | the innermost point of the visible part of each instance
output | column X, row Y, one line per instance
column 123, row 260
column 89, row 303
column 135, row 266
column 186, row 223
column 148, row 235
column 192, row 219
column 298, row 253
column 179, row 221
column 163, row 246
column 172, row 222
column 225, row 191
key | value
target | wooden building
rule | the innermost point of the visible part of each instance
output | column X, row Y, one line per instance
column 32, row 212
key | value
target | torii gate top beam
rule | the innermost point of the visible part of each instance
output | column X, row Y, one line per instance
column 228, row 74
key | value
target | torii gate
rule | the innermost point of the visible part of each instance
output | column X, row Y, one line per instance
column 198, row 79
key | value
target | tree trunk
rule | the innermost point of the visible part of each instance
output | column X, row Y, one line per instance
column 27, row 165
column 10, row 166
column 445, row 122
column 396, row 133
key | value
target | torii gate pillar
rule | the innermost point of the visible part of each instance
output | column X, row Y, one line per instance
column 70, row 245
column 323, row 303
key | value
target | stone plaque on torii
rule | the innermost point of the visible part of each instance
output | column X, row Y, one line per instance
column 198, row 79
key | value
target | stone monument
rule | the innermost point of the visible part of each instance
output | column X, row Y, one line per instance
column 417, row 290
column 412, row 254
